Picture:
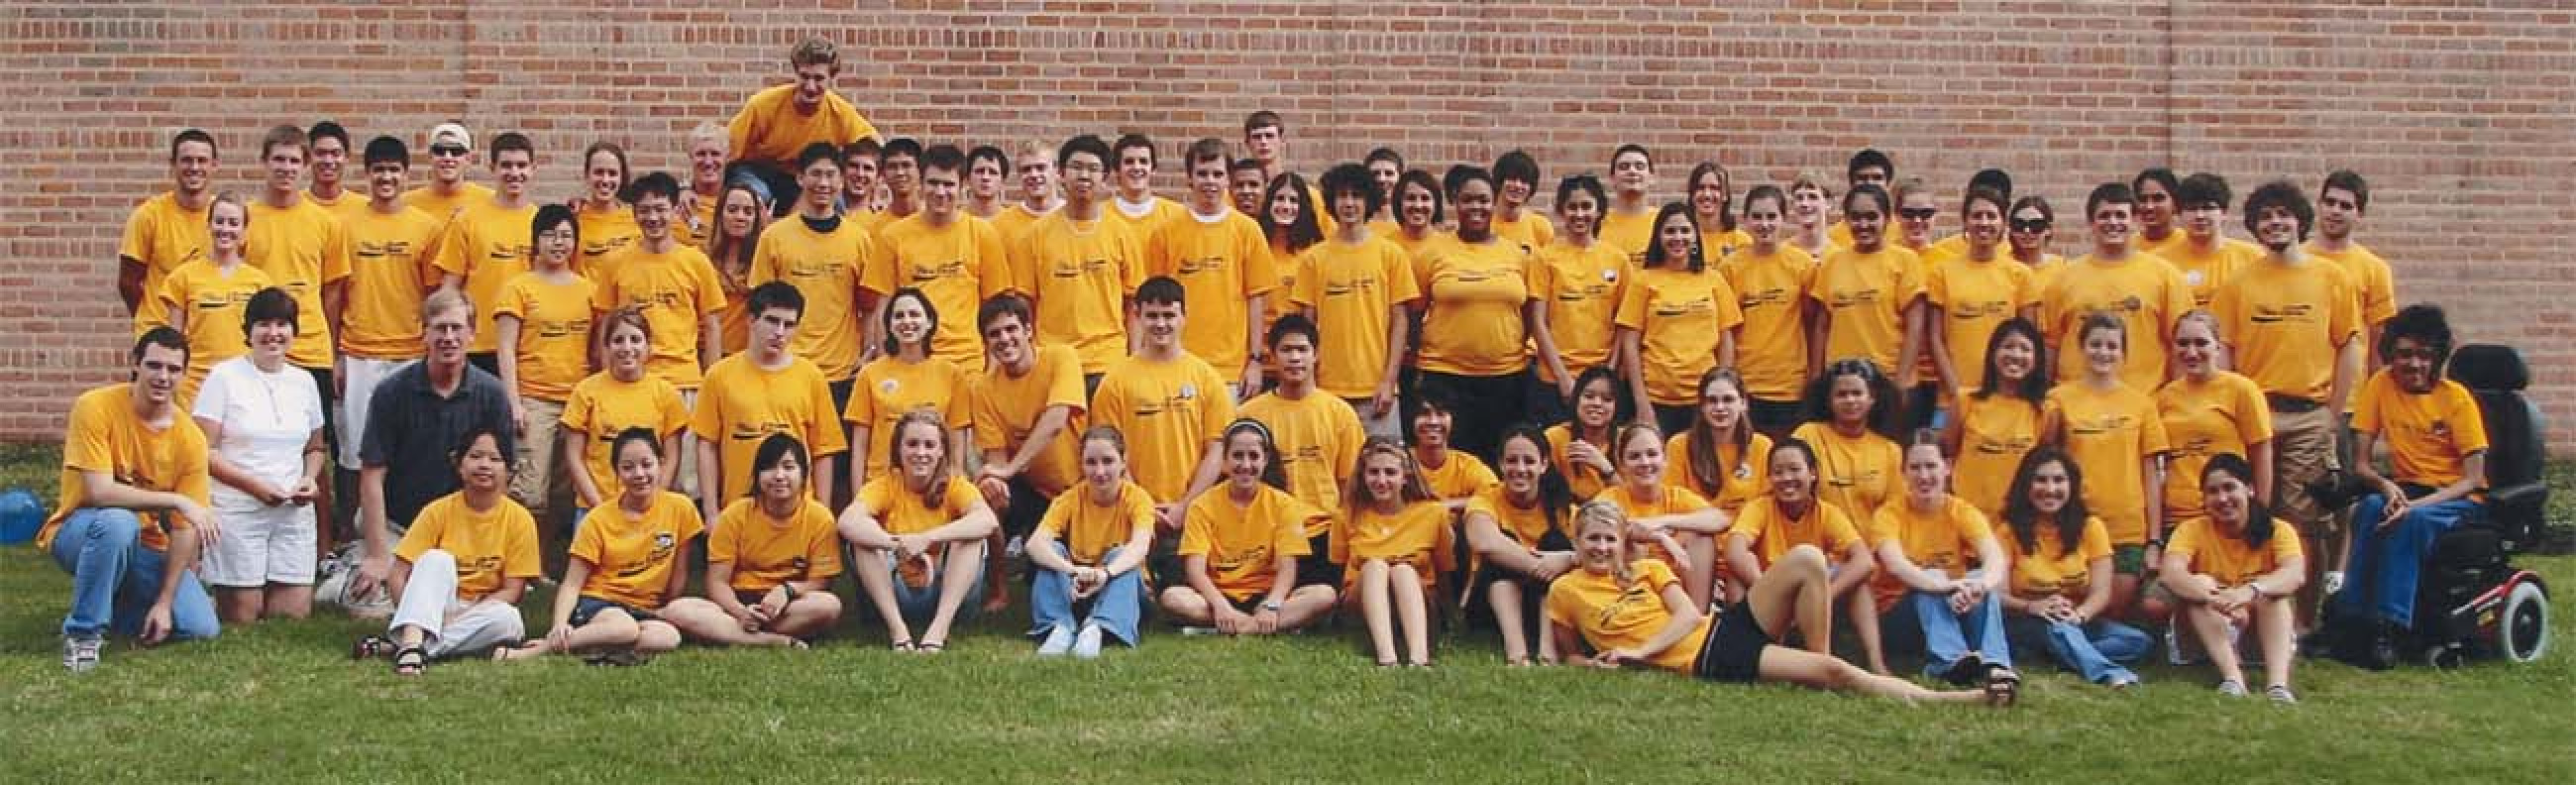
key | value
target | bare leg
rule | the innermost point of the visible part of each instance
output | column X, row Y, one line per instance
column 997, row 573
column 1862, row 609
column 1185, row 605
column 1306, row 604
column 701, row 619
column 1504, row 598
column 289, row 601
column 1412, row 610
column 1823, row 672
column 238, row 605
column 1792, row 596
column 2124, row 598
column 656, row 636
column 1373, row 610
column 2277, row 629
column 2329, row 555
column 808, row 615
column 878, row 584
column 610, row 628
column 2211, row 627
column 1699, row 576
column 956, row 578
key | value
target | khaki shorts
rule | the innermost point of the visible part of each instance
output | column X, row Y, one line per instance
column 2303, row 451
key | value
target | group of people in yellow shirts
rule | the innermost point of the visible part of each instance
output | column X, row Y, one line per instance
column 1689, row 436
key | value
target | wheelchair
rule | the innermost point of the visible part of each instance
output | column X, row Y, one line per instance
column 2472, row 603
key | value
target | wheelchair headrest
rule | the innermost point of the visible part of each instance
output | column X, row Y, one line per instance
column 2487, row 366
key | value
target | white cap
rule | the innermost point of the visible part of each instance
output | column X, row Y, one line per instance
column 451, row 132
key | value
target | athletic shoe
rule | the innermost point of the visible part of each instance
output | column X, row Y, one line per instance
column 1014, row 547
column 1058, row 641
column 2280, row 693
column 2331, row 583
column 2232, row 688
column 80, row 654
column 1086, row 645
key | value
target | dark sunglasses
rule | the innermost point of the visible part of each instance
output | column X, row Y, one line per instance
column 2033, row 225
column 1916, row 213
column 447, row 149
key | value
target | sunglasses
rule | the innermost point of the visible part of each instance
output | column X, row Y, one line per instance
column 449, row 150
column 1916, row 213
column 2032, row 225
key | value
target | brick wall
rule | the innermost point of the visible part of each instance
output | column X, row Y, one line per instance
column 2463, row 118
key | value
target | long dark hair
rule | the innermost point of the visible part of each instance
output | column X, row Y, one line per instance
column 2033, row 387
column 1655, row 259
column 1300, row 234
column 1622, row 408
column 1700, row 447
column 1271, row 473
column 1726, row 188
column 2258, row 516
column 2023, row 517
column 1885, row 404
column 1555, row 495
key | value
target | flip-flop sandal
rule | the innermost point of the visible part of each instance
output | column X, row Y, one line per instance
column 906, row 646
column 2003, row 686
column 373, row 647
column 410, row 661
column 930, row 647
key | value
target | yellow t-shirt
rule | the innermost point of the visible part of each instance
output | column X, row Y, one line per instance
column 1583, row 288
column 631, row 555
column 1771, row 293
column 829, row 269
column 600, row 407
column 1525, row 525
column 302, row 249
column 105, row 436
column 1582, row 479
column 606, row 233
column 1974, row 298
column 677, row 290
column 2226, row 414
column 957, row 266
column 2427, row 435
column 890, row 388
column 2369, row 275
column 1680, row 318
column 391, row 268
column 444, row 206
column 1458, row 476
column 1675, row 501
column 1170, row 410
column 1741, row 477
column 1864, row 298
column 1471, row 325
column 1994, row 433
column 1716, row 244
column 2143, row 291
column 1855, row 474
column 2228, row 558
column 1157, row 211
column 1432, row 242
column 2283, row 324
column 1007, row 409
column 554, row 332
column 1222, row 263
column 490, row 546
column 902, row 510
column 2053, row 570
column 744, row 403
column 2109, row 434
column 1943, row 541
column 1014, row 222
column 1351, row 291
column 1243, row 542
column 1319, row 439
column 2208, row 271
column 1629, row 232
column 211, row 301
column 766, row 551
column 1532, row 230
column 769, row 128
column 487, row 246
column 733, row 326
column 1611, row 616
column 1089, row 530
column 1769, row 531
column 1081, row 274
column 1417, row 534
column 162, row 236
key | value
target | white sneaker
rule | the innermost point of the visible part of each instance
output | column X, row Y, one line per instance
column 2331, row 582
column 80, row 655
column 1058, row 641
column 1086, row 646
column 2173, row 647
column 1014, row 547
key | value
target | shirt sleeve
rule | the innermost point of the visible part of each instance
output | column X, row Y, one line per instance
column 823, row 550
column 213, row 395
column 519, row 559
column 426, row 528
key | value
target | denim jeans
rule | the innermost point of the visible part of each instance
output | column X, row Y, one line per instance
column 919, row 605
column 1116, row 607
column 2100, row 650
column 2381, row 577
column 1948, row 635
column 115, row 579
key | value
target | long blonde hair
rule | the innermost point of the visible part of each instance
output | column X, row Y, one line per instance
column 1355, row 493
column 1603, row 512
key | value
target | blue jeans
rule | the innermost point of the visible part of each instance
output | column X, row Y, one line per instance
column 2380, row 580
column 1948, row 635
column 919, row 606
column 1116, row 607
column 2099, row 649
column 115, row 579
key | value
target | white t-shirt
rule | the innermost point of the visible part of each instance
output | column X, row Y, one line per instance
column 267, row 419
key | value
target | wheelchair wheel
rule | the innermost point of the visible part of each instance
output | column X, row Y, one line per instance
column 2522, row 625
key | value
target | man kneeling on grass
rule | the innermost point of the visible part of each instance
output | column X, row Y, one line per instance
column 133, row 509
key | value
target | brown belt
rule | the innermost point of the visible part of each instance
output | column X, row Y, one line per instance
column 2291, row 405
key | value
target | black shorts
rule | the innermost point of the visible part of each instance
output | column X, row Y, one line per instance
column 1775, row 418
column 1733, row 651
column 588, row 607
column 841, row 395
column 1479, row 605
column 1317, row 568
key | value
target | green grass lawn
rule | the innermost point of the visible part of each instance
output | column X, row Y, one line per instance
column 280, row 702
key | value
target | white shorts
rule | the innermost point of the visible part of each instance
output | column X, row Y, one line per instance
column 358, row 381
column 261, row 546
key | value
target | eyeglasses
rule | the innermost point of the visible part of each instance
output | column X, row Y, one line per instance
column 1917, row 213
column 447, row 150
column 2032, row 225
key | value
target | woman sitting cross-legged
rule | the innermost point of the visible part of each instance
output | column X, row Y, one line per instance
column 1636, row 612
column 918, row 536
column 462, row 567
column 628, row 558
column 770, row 560
column 1090, row 550
column 1241, row 547
column 2235, row 568
column 2061, row 574
column 1940, row 567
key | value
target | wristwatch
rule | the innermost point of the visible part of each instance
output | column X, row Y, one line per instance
column 1270, row 605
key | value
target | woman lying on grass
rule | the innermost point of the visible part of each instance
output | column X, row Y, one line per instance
column 770, row 561
column 461, row 567
column 627, row 559
column 1636, row 612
